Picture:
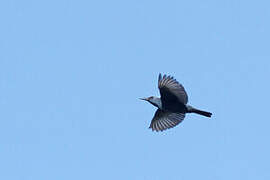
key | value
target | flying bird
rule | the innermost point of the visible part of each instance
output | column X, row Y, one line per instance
column 172, row 105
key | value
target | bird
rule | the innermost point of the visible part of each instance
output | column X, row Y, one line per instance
column 172, row 104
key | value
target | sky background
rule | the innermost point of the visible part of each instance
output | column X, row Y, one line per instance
column 71, row 73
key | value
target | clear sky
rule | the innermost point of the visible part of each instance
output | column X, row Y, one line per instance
column 71, row 73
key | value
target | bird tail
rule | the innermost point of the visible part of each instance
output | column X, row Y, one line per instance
column 197, row 111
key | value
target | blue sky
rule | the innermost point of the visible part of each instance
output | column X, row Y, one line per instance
column 71, row 73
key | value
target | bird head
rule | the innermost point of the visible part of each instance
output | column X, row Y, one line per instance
column 153, row 100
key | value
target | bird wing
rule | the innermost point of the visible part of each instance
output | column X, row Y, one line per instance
column 163, row 120
column 171, row 90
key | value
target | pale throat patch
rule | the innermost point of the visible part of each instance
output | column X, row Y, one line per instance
column 157, row 101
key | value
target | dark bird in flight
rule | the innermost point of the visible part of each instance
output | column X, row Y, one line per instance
column 172, row 105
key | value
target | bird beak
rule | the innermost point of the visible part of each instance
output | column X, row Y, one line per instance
column 145, row 99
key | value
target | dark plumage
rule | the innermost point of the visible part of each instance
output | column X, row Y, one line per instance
column 172, row 105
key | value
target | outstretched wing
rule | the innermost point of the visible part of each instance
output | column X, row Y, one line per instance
column 163, row 120
column 171, row 90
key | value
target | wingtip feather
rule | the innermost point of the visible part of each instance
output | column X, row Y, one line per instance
column 159, row 77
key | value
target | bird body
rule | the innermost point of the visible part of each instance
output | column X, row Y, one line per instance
column 172, row 105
